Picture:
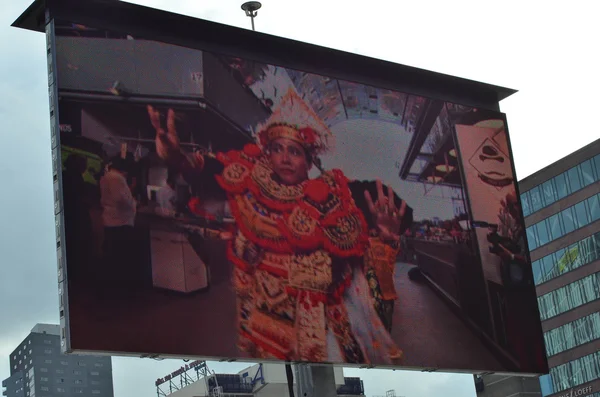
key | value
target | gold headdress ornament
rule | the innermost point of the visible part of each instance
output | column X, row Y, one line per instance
column 294, row 119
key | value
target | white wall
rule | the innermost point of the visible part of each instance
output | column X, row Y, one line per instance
column 197, row 388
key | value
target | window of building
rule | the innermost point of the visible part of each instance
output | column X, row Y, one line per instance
column 43, row 369
column 559, row 187
column 78, row 381
column 570, row 296
column 525, row 205
column 586, row 169
column 94, row 373
column 47, row 341
column 566, row 221
column 95, row 383
column 564, row 260
column 576, row 372
column 44, row 379
column 94, row 391
column 60, row 371
column 47, row 351
column 98, row 365
column 48, row 361
column 44, row 388
column 60, row 389
column 64, row 362
column 81, row 363
column 573, row 334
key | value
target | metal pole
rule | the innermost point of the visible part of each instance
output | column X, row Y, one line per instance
column 315, row 381
column 252, row 20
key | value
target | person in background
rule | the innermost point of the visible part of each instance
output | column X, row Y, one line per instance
column 78, row 221
column 118, row 217
column 167, row 198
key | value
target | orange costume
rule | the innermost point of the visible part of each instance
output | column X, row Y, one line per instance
column 306, row 267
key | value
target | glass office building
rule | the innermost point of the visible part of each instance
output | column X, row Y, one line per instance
column 561, row 204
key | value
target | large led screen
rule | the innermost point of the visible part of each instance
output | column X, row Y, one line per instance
column 220, row 207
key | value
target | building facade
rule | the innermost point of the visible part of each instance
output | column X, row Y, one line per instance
column 39, row 369
column 561, row 204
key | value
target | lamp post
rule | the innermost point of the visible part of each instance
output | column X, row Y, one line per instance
column 251, row 8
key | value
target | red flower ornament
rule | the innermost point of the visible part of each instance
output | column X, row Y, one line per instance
column 308, row 135
column 317, row 190
column 252, row 150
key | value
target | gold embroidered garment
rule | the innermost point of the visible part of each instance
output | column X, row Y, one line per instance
column 292, row 258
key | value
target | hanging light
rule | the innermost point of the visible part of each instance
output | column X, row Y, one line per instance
column 445, row 168
column 452, row 153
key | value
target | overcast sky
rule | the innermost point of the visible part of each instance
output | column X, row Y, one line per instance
column 545, row 49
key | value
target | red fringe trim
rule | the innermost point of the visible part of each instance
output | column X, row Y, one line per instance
column 315, row 297
column 239, row 262
column 273, row 270
column 336, row 296
column 264, row 345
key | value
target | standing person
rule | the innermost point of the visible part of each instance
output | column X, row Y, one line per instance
column 118, row 217
column 167, row 197
column 304, row 250
column 78, row 221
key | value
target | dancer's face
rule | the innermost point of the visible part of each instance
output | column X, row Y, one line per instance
column 289, row 161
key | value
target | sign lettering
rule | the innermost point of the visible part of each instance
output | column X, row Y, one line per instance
column 584, row 391
column 193, row 365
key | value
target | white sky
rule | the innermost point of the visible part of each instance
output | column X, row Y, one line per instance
column 545, row 49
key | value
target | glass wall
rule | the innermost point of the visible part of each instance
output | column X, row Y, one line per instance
column 564, row 222
column 561, row 186
column 573, row 334
column 570, row 296
column 564, row 260
column 576, row 372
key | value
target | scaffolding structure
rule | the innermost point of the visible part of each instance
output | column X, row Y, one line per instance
column 182, row 378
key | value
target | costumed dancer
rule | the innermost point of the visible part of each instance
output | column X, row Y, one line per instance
column 308, row 254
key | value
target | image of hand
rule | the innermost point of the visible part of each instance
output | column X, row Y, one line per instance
column 167, row 142
column 387, row 217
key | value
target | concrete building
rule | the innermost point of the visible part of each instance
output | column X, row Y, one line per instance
column 39, row 369
column 561, row 204
column 260, row 380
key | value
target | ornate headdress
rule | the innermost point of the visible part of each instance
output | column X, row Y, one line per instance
column 294, row 119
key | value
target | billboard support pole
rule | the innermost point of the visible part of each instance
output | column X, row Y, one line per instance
column 315, row 381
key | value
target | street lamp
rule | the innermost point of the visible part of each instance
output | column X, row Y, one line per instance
column 251, row 8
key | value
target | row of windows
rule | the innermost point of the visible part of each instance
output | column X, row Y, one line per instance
column 573, row 334
column 61, row 380
column 564, row 260
column 576, row 372
column 570, row 296
column 561, row 186
column 563, row 222
column 93, row 373
column 76, row 390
